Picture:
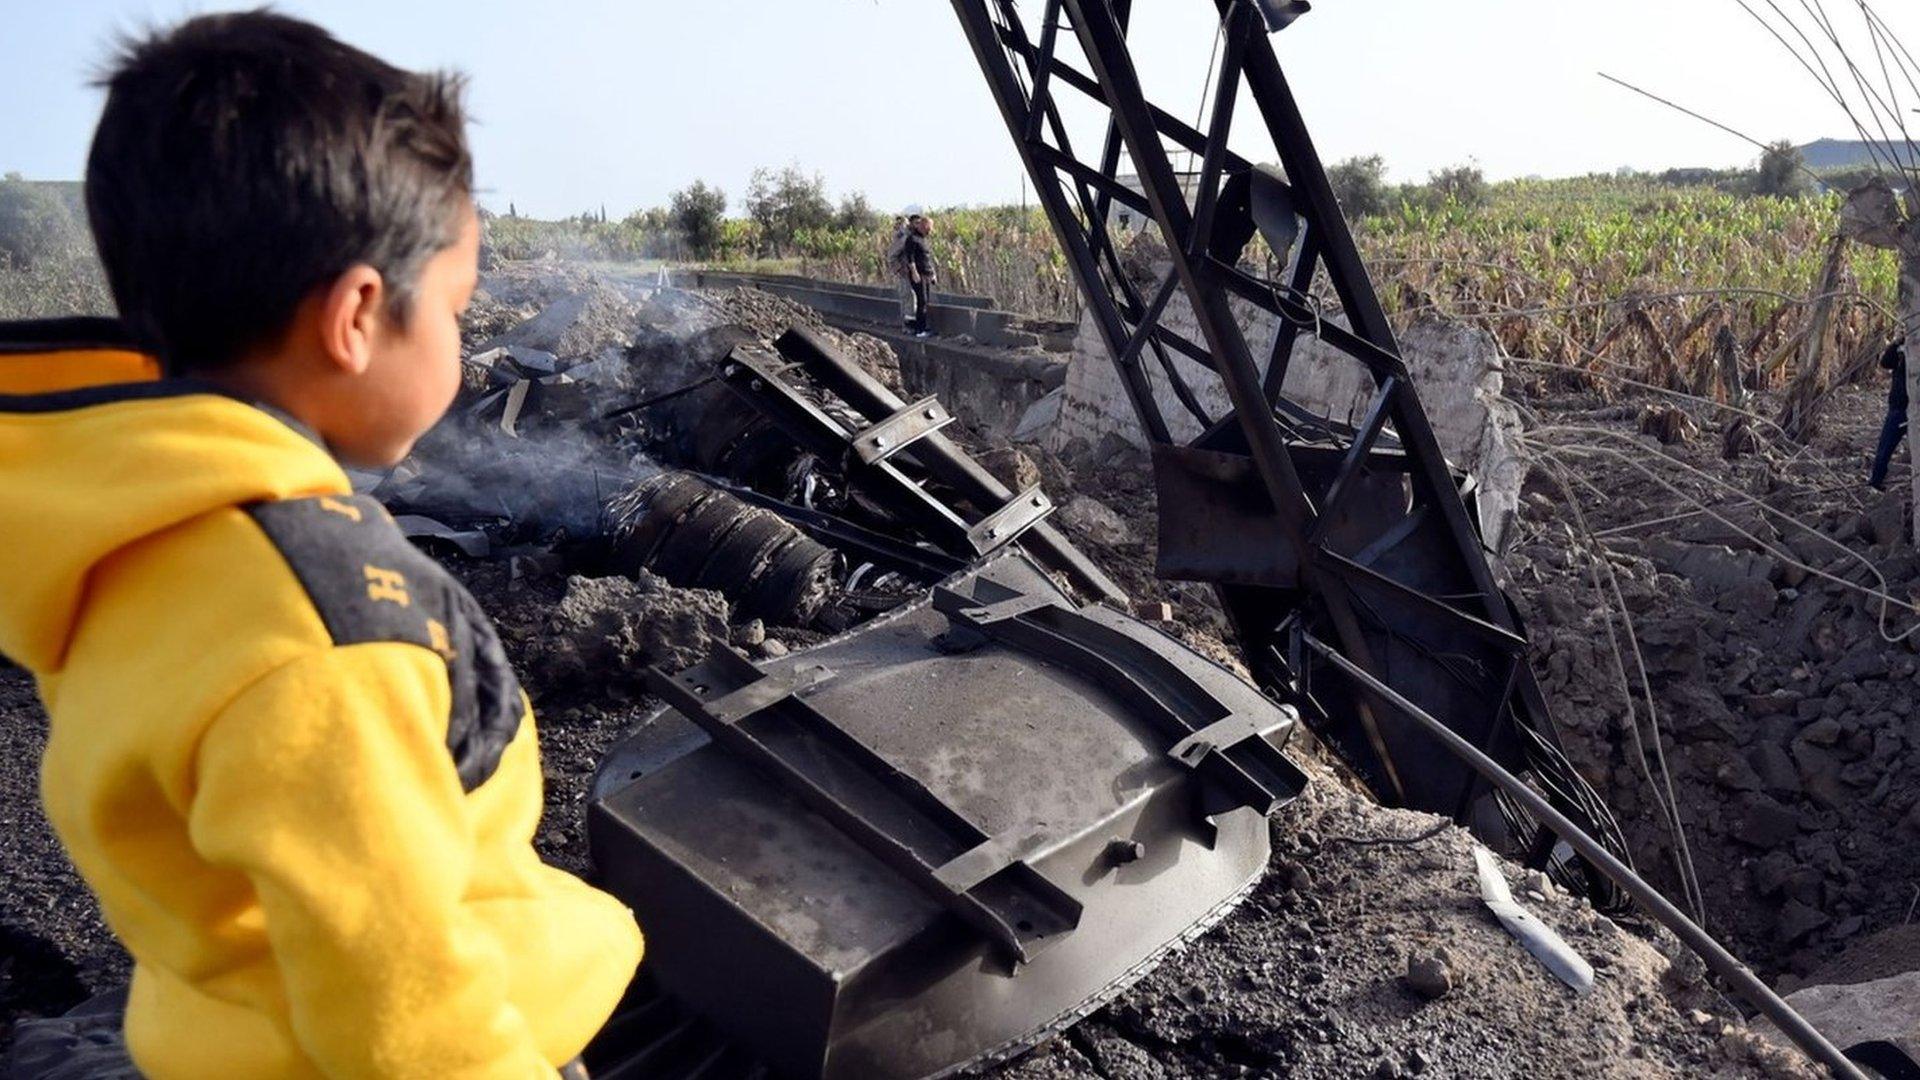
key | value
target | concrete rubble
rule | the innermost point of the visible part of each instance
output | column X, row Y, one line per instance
column 612, row 628
column 1884, row 1010
column 1456, row 369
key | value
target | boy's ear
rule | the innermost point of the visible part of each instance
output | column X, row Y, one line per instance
column 350, row 313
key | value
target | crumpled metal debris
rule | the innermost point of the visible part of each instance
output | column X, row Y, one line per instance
column 1541, row 940
column 469, row 542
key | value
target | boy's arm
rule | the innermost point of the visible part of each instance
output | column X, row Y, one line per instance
column 328, row 783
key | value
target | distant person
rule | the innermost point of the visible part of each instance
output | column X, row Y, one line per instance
column 286, row 750
column 895, row 261
column 1893, row 360
column 920, row 271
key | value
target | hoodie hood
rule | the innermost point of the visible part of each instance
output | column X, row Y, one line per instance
column 94, row 457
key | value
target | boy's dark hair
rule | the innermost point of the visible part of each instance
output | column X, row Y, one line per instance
column 244, row 159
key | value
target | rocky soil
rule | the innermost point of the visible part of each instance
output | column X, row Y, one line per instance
column 1364, row 955
column 1312, row 976
column 1785, row 714
column 54, row 948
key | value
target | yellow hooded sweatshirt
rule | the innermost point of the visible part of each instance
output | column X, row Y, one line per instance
column 286, row 750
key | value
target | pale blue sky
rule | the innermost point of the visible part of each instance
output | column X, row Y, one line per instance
column 584, row 102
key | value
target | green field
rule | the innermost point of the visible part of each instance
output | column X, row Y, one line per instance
column 1622, row 273
column 1632, row 273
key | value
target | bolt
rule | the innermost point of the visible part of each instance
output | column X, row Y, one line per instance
column 1038, row 501
column 758, row 385
column 879, row 440
column 933, row 414
column 991, row 533
column 1121, row 852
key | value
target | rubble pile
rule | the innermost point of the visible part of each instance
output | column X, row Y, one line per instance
column 1786, row 719
column 1367, row 952
column 555, row 490
column 611, row 628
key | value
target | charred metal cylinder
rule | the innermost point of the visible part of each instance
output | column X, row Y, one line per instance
column 698, row 536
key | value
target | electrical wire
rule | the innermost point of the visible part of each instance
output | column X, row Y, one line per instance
column 1666, row 796
column 1799, row 454
column 1636, row 461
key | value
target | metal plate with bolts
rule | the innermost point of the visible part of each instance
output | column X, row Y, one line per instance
column 901, row 430
column 986, row 748
column 1003, row 526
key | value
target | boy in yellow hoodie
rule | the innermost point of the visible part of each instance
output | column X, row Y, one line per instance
column 286, row 749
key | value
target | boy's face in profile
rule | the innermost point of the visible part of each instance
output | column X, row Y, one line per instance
column 413, row 367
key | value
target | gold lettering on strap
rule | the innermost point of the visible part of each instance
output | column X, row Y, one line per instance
column 386, row 585
column 335, row 506
column 438, row 641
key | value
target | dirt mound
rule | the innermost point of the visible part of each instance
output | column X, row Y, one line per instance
column 1310, row 977
column 577, row 324
column 1890, row 952
column 614, row 628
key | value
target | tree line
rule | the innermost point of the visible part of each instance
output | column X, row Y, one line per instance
column 1361, row 183
column 786, row 211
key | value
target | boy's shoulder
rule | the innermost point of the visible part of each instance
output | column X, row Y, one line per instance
column 369, row 584
column 364, row 578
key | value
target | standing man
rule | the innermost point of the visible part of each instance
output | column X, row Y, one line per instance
column 895, row 260
column 1895, row 361
column 918, row 257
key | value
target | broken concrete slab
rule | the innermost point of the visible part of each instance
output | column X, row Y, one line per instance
column 579, row 323
column 1850, row 1014
column 1738, row 582
column 1742, row 526
column 1040, row 416
column 1088, row 517
column 1455, row 367
column 1714, row 568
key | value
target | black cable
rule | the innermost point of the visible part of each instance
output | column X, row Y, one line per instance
column 1718, row 959
column 659, row 398
column 1377, row 841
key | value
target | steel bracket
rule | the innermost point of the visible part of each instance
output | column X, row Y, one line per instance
column 764, row 693
column 1218, row 737
column 901, row 430
column 1003, row 526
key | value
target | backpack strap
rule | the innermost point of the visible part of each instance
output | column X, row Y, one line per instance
column 370, row 584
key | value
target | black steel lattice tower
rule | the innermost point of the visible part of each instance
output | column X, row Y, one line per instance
column 1356, row 539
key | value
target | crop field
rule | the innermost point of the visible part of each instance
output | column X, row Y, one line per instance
column 1638, row 279
column 67, row 286
column 1623, row 277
